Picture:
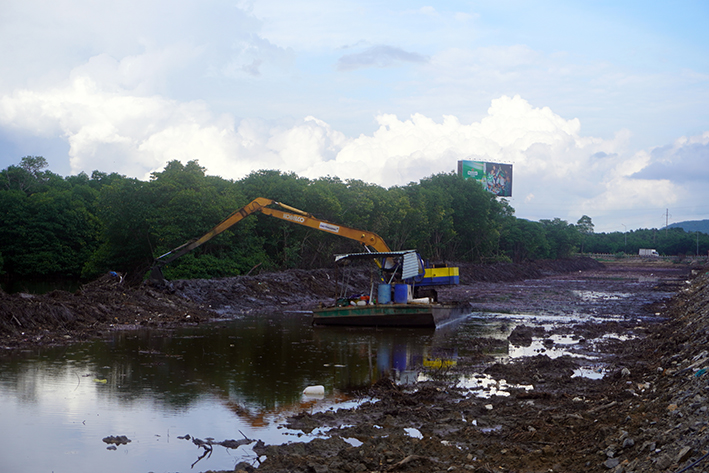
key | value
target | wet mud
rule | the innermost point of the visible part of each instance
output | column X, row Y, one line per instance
column 643, row 409
column 646, row 411
column 614, row 379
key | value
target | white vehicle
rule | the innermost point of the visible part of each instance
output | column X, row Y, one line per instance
column 648, row 252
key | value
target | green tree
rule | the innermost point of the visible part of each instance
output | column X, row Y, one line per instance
column 48, row 227
column 143, row 220
column 434, row 236
column 524, row 240
column 125, row 209
column 189, row 203
column 282, row 241
column 585, row 228
column 455, row 218
column 47, row 233
column 28, row 177
column 561, row 236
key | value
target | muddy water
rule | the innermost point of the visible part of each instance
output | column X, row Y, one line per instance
column 222, row 380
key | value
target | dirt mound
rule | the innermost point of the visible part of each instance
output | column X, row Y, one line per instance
column 111, row 302
column 301, row 290
column 500, row 272
column 104, row 304
column 294, row 289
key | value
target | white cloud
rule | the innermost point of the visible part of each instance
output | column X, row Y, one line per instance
column 378, row 56
column 683, row 161
column 429, row 10
column 141, row 74
column 313, row 87
column 112, row 130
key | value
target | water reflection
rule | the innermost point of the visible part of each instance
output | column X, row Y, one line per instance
column 219, row 380
column 213, row 381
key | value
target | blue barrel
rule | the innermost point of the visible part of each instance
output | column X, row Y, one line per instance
column 401, row 293
column 384, row 294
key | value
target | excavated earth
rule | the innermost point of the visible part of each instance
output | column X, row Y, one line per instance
column 645, row 323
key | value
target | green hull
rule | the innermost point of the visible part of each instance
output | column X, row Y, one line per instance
column 390, row 315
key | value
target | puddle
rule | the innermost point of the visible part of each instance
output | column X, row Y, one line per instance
column 589, row 373
column 616, row 336
column 353, row 441
column 572, row 317
column 483, row 385
column 651, row 279
column 489, row 430
column 597, row 296
column 218, row 381
column 553, row 346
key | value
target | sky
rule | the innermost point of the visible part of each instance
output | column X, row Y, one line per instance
column 601, row 107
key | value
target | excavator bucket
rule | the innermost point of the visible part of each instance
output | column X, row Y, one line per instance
column 155, row 276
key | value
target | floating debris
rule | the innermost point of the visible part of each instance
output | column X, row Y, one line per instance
column 114, row 440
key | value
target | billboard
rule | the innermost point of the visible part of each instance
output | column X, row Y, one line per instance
column 494, row 177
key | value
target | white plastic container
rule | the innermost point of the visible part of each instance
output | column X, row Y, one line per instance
column 317, row 390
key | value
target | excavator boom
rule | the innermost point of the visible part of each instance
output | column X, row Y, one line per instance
column 366, row 238
column 290, row 214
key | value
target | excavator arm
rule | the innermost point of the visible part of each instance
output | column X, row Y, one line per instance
column 288, row 213
column 303, row 218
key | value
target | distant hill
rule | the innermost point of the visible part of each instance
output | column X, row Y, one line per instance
column 692, row 226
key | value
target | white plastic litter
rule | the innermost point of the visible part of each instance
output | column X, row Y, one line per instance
column 317, row 390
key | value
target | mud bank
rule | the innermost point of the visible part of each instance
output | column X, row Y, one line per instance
column 645, row 409
column 96, row 308
column 648, row 413
column 109, row 303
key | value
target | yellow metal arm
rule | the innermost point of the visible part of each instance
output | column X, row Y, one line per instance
column 302, row 218
column 290, row 214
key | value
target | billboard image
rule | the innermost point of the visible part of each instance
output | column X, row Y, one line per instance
column 494, row 177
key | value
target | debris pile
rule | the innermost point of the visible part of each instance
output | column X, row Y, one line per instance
column 101, row 305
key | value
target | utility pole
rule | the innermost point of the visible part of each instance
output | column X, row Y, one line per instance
column 667, row 220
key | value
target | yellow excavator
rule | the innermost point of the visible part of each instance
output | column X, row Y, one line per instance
column 288, row 213
column 371, row 241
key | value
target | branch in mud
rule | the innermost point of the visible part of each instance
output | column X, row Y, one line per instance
column 208, row 444
column 411, row 458
column 207, row 451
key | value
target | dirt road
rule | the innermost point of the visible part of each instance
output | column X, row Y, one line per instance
column 637, row 334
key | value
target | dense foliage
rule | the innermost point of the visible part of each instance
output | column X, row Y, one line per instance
column 667, row 241
column 81, row 226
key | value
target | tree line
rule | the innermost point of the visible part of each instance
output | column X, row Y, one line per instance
column 82, row 226
column 667, row 241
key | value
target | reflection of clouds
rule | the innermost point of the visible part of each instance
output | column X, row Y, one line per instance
column 68, row 423
column 483, row 385
column 207, row 382
column 540, row 346
column 598, row 296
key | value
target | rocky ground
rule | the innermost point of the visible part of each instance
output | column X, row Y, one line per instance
column 648, row 413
